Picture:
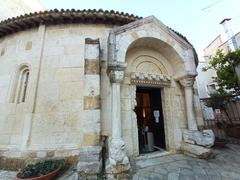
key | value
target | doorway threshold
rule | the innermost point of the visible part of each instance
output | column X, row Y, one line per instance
column 152, row 155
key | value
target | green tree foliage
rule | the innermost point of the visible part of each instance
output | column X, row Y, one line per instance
column 224, row 66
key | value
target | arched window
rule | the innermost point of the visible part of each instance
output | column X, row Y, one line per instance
column 20, row 85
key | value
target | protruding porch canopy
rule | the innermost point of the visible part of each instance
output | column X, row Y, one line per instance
column 152, row 34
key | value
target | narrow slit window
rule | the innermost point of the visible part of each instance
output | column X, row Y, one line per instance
column 21, row 85
column 24, row 84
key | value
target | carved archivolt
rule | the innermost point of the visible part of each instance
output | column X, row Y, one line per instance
column 148, row 64
column 149, row 71
column 150, row 79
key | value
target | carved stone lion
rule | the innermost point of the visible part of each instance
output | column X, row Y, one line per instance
column 205, row 138
column 117, row 155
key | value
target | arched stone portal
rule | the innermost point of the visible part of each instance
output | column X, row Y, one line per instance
column 87, row 68
column 150, row 71
column 146, row 56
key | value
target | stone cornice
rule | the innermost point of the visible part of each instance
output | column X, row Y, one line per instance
column 116, row 66
column 55, row 16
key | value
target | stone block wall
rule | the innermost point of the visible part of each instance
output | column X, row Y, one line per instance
column 62, row 108
column 92, row 104
column 16, row 50
column 59, row 102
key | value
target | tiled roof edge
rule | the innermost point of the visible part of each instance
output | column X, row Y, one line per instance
column 31, row 20
column 55, row 16
column 185, row 39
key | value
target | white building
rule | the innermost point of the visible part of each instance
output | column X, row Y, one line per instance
column 13, row 8
column 205, row 82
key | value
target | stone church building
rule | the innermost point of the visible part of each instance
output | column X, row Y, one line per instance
column 75, row 82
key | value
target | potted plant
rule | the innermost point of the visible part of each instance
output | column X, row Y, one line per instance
column 44, row 170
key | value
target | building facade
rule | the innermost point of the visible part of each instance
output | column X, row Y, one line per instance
column 206, row 85
column 13, row 8
column 73, row 82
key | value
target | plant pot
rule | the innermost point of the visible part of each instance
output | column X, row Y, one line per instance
column 48, row 176
column 233, row 132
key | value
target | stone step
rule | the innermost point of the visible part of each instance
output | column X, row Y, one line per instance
column 154, row 161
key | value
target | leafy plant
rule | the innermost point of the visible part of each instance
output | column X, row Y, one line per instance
column 41, row 168
column 224, row 66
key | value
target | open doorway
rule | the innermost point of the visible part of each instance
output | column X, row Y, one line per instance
column 150, row 120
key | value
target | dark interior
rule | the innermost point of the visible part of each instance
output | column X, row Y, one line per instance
column 150, row 129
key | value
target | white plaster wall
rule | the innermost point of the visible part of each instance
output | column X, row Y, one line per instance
column 204, row 78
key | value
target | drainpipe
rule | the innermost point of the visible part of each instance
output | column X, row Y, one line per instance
column 232, row 42
column 230, row 36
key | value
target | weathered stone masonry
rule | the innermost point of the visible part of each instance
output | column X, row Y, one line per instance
column 84, row 69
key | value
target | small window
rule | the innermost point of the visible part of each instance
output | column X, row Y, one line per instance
column 20, row 85
column 211, row 88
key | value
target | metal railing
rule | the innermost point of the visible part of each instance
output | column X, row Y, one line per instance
column 222, row 115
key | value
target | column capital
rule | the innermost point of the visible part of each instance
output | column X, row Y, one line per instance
column 116, row 71
column 187, row 81
column 116, row 76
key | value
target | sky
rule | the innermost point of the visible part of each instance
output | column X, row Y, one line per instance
column 198, row 20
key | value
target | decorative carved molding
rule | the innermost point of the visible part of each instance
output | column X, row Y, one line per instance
column 148, row 63
column 187, row 81
column 116, row 76
column 150, row 79
column 116, row 71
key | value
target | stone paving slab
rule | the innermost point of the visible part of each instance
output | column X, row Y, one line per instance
column 7, row 175
column 225, row 166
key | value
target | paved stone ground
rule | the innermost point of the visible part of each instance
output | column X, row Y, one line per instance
column 225, row 166
column 7, row 175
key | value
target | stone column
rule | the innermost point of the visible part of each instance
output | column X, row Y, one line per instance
column 194, row 141
column 187, row 83
column 116, row 77
column 118, row 160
